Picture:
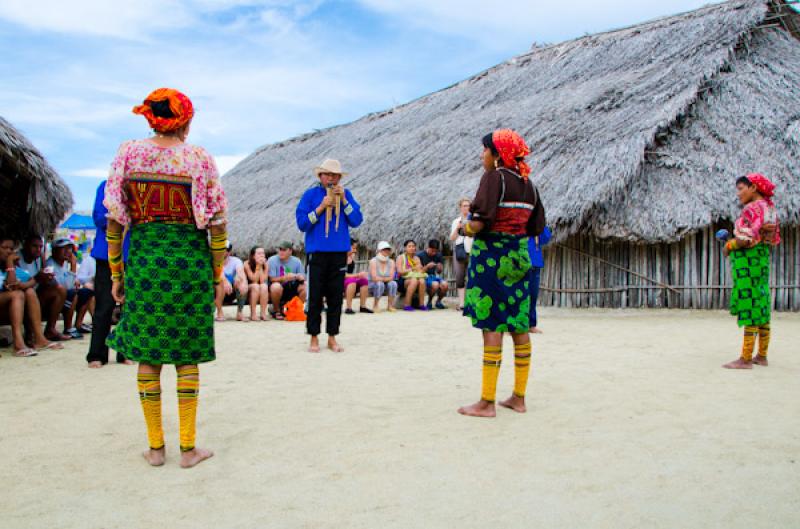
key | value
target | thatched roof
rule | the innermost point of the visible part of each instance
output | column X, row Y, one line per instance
column 33, row 198
column 637, row 134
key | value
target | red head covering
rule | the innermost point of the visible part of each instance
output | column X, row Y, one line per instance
column 510, row 146
column 179, row 104
column 763, row 184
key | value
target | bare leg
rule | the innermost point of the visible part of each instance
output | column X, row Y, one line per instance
column 421, row 292
column 411, row 286
column 349, row 294
column 461, row 292
column 12, row 304
column 275, row 293
column 52, row 300
column 253, row 301
column 363, row 293
column 484, row 408
column 219, row 298
column 34, row 312
column 334, row 346
column 314, row 345
column 87, row 307
column 263, row 297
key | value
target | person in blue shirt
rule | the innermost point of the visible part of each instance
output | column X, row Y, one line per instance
column 104, row 302
column 327, row 241
column 535, row 245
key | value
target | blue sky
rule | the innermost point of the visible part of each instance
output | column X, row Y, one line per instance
column 258, row 71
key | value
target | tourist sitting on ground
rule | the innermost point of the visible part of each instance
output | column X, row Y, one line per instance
column 255, row 269
column 433, row 265
column 17, row 299
column 65, row 267
column 233, row 285
column 382, row 277
column 462, row 246
column 411, row 276
column 51, row 295
column 355, row 282
column 86, row 273
column 286, row 279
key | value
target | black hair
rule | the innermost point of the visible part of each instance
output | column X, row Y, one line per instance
column 743, row 180
column 33, row 236
column 433, row 243
column 408, row 241
column 251, row 260
column 489, row 144
column 161, row 109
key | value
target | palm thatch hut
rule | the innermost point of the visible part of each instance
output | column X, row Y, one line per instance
column 33, row 198
column 638, row 135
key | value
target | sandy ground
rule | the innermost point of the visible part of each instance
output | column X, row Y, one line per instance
column 632, row 424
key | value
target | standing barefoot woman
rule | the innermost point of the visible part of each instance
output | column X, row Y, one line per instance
column 169, row 194
column 505, row 212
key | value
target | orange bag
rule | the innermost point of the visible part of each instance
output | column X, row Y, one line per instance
column 293, row 310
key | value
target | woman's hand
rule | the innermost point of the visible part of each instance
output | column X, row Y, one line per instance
column 118, row 292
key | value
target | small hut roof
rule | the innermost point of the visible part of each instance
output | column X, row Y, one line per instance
column 637, row 134
column 34, row 198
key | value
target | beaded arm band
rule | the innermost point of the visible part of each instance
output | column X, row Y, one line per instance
column 114, row 240
column 218, row 244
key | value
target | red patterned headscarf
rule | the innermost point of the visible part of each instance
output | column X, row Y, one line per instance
column 179, row 104
column 512, row 149
column 765, row 187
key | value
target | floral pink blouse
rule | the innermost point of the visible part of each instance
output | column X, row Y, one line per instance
column 754, row 216
column 153, row 167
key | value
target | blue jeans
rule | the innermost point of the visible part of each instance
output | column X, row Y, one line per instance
column 533, row 281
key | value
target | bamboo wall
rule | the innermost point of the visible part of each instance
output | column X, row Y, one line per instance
column 695, row 269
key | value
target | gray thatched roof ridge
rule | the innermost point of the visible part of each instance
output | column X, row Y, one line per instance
column 590, row 108
column 35, row 198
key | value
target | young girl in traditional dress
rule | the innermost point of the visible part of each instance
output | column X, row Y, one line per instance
column 755, row 231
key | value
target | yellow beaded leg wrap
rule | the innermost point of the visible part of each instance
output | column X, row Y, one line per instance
column 188, row 389
column 522, row 366
column 150, row 397
column 750, row 334
column 492, row 358
column 763, row 340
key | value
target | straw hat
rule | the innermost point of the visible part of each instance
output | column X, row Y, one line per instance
column 329, row 166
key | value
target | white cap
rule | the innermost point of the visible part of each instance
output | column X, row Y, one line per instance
column 383, row 245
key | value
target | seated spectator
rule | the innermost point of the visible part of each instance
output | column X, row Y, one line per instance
column 255, row 269
column 286, row 277
column 65, row 266
column 233, row 286
column 51, row 295
column 17, row 299
column 382, row 277
column 355, row 282
column 412, row 276
column 86, row 273
column 433, row 265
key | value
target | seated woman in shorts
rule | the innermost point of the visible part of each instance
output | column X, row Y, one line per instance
column 355, row 282
column 382, row 277
column 412, row 277
column 256, row 271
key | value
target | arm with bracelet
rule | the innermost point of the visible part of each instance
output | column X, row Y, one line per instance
column 219, row 241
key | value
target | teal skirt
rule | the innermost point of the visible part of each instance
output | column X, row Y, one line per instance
column 498, row 283
column 168, row 315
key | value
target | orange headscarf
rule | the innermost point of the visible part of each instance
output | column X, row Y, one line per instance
column 179, row 104
column 512, row 148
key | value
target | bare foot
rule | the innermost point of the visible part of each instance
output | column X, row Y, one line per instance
column 514, row 403
column 195, row 456
column 536, row 330
column 95, row 364
column 156, row 458
column 738, row 364
column 314, row 346
column 760, row 361
column 239, row 316
column 126, row 362
column 482, row 408
column 333, row 346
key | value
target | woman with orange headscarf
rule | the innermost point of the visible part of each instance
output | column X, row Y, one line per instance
column 168, row 193
column 505, row 212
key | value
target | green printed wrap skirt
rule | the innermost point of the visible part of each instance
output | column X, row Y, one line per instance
column 750, row 298
column 168, row 316
column 498, row 283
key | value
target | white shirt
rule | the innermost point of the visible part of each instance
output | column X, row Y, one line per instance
column 461, row 239
column 87, row 270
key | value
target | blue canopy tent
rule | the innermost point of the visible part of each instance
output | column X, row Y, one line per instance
column 78, row 222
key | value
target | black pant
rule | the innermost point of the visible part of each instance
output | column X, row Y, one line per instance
column 103, row 309
column 325, row 280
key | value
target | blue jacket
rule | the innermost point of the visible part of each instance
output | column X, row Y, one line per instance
column 100, row 247
column 314, row 227
column 537, row 259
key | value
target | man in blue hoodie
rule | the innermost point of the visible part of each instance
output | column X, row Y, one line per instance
column 327, row 241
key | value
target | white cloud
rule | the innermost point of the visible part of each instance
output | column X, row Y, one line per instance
column 94, row 172
column 226, row 162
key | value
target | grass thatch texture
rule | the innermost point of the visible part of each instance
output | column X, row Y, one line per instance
column 35, row 199
column 590, row 109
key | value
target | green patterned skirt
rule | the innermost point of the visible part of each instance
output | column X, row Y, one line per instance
column 498, row 283
column 168, row 317
column 750, row 298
